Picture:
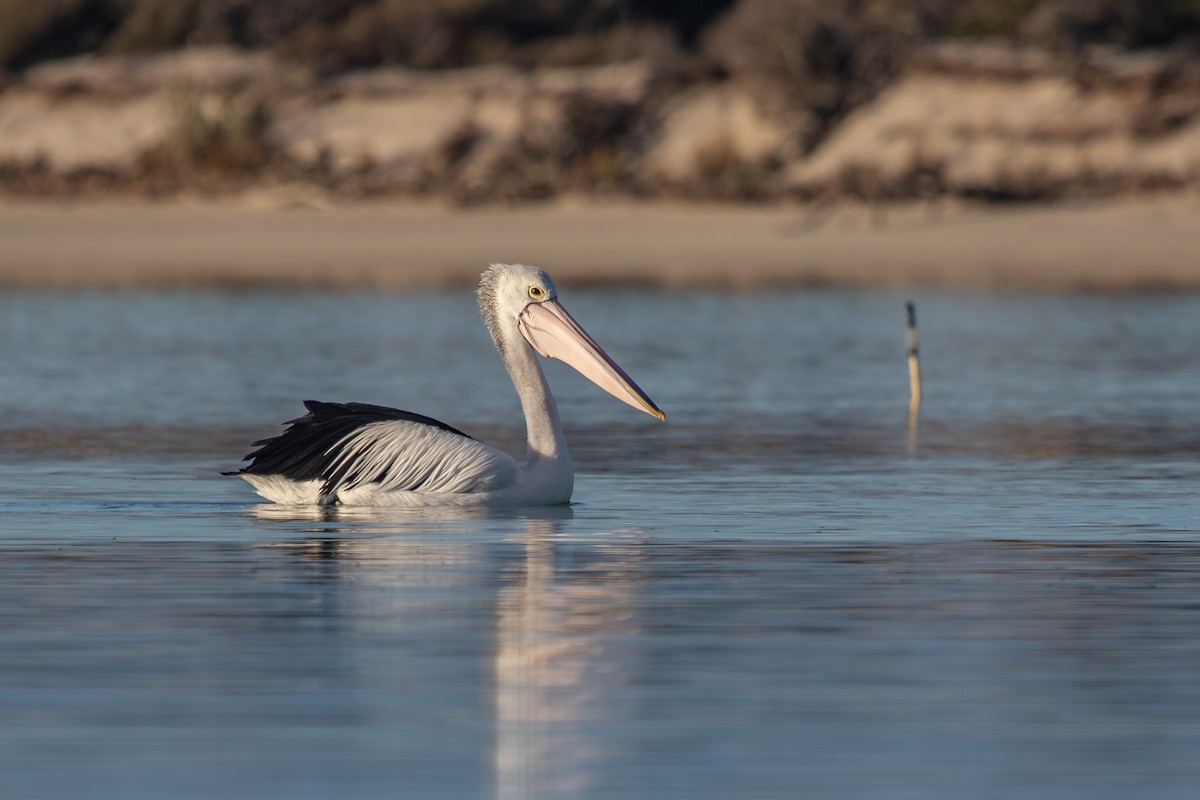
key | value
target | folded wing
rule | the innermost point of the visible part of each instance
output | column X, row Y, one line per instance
column 350, row 446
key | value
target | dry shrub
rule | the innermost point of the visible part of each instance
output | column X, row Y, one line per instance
column 435, row 34
column 986, row 18
column 417, row 33
column 590, row 147
column 830, row 51
column 1068, row 25
column 149, row 25
column 340, row 34
column 591, row 122
column 155, row 25
column 226, row 136
column 725, row 173
column 825, row 57
column 829, row 58
column 37, row 178
column 34, row 30
column 622, row 43
column 457, row 146
column 923, row 177
column 600, row 169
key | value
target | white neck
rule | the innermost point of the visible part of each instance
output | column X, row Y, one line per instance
column 547, row 453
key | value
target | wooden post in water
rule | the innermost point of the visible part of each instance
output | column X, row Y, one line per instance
column 914, row 376
column 914, row 359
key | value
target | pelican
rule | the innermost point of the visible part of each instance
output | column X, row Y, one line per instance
column 366, row 455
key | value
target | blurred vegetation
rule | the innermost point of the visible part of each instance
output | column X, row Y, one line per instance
column 824, row 57
column 815, row 60
column 340, row 34
column 226, row 135
column 832, row 57
column 817, row 37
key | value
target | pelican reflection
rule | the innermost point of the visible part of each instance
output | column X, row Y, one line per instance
column 557, row 678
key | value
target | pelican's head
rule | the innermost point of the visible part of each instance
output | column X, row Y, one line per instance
column 516, row 294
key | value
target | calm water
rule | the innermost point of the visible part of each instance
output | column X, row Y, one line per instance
column 788, row 590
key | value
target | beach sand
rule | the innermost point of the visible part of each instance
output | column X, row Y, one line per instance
column 265, row 241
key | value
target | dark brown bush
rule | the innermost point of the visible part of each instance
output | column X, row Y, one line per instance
column 832, row 48
column 1068, row 25
column 34, row 31
column 828, row 58
column 347, row 33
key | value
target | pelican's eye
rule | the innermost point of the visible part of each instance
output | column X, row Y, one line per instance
column 537, row 293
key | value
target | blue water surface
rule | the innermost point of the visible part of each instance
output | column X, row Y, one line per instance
column 792, row 588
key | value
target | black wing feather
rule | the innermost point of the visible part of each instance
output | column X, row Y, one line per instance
column 302, row 452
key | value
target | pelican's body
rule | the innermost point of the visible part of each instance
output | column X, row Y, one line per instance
column 358, row 454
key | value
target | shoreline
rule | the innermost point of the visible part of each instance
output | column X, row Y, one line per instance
column 261, row 242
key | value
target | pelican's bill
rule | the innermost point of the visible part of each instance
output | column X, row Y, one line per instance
column 555, row 334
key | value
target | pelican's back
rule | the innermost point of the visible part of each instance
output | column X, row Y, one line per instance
column 339, row 449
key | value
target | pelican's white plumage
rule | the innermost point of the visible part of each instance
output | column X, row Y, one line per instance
column 359, row 454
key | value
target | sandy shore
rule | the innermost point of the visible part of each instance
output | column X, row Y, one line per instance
column 1109, row 247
